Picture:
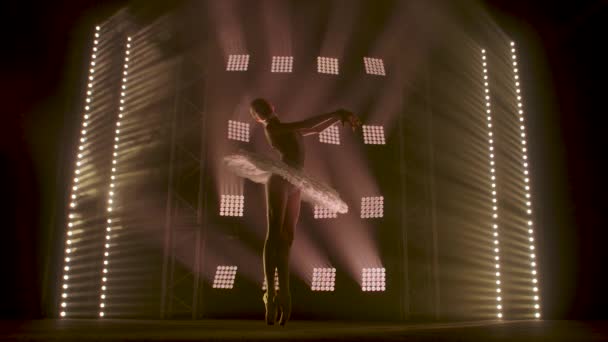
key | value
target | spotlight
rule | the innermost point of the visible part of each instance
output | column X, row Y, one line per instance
column 372, row 207
column 237, row 63
column 238, row 130
column 374, row 66
column 373, row 135
column 323, row 279
column 282, row 64
column 373, row 279
column 232, row 205
column 327, row 65
column 322, row 212
column 330, row 135
column 224, row 277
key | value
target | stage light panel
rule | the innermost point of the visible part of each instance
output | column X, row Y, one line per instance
column 74, row 193
column 224, row 277
column 526, row 179
column 373, row 135
column 492, row 176
column 322, row 213
column 237, row 63
column 330, row 135
column 373, row 279
column 327, row 65
column 372, row 207
column 238, row 130
column 232, row 205
column 115, row 154
column 323, row 279
column 276, row 281
column 374, row 66
column 282, row 64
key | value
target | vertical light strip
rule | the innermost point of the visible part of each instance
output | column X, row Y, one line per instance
column 526, row 177
column 112, row 189
column 491, row 152
column 63, row 310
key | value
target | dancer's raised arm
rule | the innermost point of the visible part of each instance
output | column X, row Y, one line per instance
column 319, row 123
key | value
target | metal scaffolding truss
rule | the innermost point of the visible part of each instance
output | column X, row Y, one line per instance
column 183, row 240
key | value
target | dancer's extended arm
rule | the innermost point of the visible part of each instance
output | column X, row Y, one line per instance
column 319, row 123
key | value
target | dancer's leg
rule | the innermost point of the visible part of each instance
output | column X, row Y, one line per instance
column 276, row 196
column 292, row 213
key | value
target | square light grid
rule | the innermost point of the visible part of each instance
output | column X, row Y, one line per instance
column 374, row 66
column 322, row 212
column 373, row 279
column 373, row 135
column 232, row 205
column 372, row 207
column 323, row 279
column 238, row 130
column 224, row 277
column 282, row 64
column 330, row 135
column 237, row 63
column 327, row 65
column 276, row 281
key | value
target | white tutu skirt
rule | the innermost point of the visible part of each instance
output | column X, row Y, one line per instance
column 259, row 169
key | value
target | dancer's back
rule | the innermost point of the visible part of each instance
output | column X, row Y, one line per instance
column 287, row 142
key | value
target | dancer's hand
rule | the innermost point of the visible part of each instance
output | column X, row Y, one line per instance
column 350, row 117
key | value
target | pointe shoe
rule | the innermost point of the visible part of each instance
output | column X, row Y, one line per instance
column 284, row 304
column 271, row 309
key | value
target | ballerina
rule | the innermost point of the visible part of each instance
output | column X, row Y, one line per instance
column 286, row 186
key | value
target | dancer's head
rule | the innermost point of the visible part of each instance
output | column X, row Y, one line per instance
column 261, row 110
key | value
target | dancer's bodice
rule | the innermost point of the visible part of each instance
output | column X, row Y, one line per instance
column 288, row 143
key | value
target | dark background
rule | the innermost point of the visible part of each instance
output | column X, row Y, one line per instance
column 562, row 49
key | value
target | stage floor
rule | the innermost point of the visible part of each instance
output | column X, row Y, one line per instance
column 240, row 330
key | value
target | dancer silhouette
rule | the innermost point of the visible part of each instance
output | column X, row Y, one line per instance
column 284, row 188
